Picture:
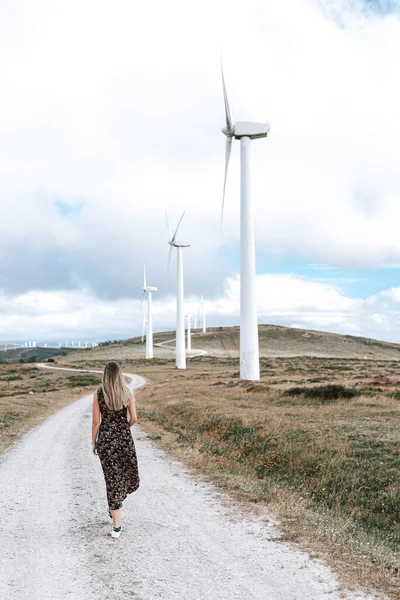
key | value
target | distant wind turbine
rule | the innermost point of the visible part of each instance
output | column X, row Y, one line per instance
column 148, row 289
column 180, row 310
column 189, row 332
column 245, row 132
column 203, row 314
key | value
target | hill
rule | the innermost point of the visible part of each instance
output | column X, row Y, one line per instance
column 32, row 354
column 275, row 341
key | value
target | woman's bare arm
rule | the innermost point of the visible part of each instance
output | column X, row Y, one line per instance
column 132, row 411
column 95, row 420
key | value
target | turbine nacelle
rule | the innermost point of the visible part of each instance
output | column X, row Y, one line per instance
column 252, row 130
column 146, row 288
column 247, row 129
column 177, row 244
column 173, row 242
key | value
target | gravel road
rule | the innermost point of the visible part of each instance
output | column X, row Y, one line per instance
column 179, row 541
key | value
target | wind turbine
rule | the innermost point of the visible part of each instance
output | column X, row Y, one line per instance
column 189, row 332
column 180, row 309
column 148, row 289
column 203, row 314
column 245, row 132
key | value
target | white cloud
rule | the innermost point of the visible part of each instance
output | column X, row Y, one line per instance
column 284, row 299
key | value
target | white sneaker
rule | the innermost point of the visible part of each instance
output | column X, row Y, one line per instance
column 116, row 532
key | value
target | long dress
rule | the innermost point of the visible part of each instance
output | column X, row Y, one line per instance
column 117, row 453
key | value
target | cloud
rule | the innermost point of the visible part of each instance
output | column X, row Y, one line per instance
column 286, row 299
column 116, row 108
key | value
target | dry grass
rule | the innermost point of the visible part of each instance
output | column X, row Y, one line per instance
column 274, row 341
column 28, row 395
column 278, row 341
column 329, row 468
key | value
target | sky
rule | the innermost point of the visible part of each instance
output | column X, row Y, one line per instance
column 111, row 114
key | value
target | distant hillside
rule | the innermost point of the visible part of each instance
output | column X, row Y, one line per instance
column 32, row 354
column 289, row 341
column 275, row 341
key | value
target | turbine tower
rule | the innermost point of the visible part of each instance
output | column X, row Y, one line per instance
column 245, row 132
column 147, row 289
column 203, row 314
column 180, row 309
column 144, row 327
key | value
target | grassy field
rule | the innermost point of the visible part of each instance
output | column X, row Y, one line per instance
column 316, row 441
column 29, row 394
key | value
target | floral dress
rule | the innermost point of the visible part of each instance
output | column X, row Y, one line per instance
column 116, row 450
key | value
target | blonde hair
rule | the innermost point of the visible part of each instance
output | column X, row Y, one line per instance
column 116, row 393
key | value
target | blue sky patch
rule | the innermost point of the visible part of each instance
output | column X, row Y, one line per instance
column 69, row 209
column 383, row 7
column 353, row 283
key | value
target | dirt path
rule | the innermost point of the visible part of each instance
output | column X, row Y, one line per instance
column 194, row 353
column 178, row 540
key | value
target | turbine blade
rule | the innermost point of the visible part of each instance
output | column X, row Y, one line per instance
column 176, row 230
column 169, row 228
column 169, row 257
column 141, row 304
column 228, row 148
column 144, row 277
column 229, row 124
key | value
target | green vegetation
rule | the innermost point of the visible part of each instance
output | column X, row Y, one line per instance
column 109, row 342
column 29, row 355
column 8, row 418
column 11, row 378
column 84, row 379
column 323, row 393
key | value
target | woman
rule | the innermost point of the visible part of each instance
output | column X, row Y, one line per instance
column 114, row 413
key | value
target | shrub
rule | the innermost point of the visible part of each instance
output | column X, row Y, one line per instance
column 323, row 393
column 83, row 379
